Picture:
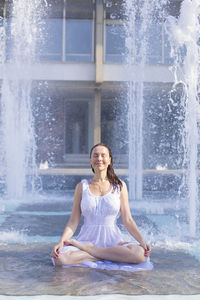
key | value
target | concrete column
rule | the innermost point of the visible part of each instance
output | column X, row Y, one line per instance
column 97, row 116
column 95, row 105
column 90, row 124
column 99, row 40
column 94, row 119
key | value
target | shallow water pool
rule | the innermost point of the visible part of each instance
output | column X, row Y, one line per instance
column 30, row 229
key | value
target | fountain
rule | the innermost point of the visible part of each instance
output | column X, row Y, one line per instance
column 137, row 53
column 20, row 34
column 19, row 37
column 30, row 228
column 184, row 39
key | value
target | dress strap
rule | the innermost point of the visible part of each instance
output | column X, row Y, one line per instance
column 84, row 184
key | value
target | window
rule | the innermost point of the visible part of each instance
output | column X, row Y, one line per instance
column 50, row 48
column 67, row 31
column 79, row 40
column 162, row 123
column 79, row 9
column 167, row 49
column 151, row 40
column 114, row 131
column 79, row 30
column 115, row 9
column 181, row 51
column 154, row 43
column 76, row 132
column 115, row 43
column 50, row 41
column 115, row 35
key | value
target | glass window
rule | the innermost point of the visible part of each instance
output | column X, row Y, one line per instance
column 48, row 112
column 50, row 46
column 115, row 9
column 115, row 43
column 167, row 49
column 151, row 39
column 172, row 8
column 154, row 43
column 76, row 133
column 162, row 124
column 181, row 52
column 79, row 9
column 79, row 40
column 54, row 9
column 114, row 129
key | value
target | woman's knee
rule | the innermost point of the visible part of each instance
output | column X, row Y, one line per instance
column 137, row 254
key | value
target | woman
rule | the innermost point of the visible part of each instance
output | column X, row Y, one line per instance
column 100, row 200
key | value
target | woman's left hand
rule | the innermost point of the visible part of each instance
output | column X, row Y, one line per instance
column 147, row 249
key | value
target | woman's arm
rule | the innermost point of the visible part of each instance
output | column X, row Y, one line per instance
column 128, row 221
column 73, row 222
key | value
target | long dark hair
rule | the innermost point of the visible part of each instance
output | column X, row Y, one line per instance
column 112, row 177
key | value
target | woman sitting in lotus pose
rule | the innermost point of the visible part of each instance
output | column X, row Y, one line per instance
column 100, row 200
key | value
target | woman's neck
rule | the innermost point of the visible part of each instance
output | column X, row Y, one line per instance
column 100, row 176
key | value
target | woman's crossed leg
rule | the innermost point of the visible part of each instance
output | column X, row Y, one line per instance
column 88, row 252
column 73, row 257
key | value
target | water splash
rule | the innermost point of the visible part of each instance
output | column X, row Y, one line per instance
column 139, row 15
column 184, row 35
column 19, row 36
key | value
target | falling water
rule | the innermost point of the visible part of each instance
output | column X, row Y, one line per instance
column 184, row 38
column 135, row 116
column 137, row 44
column 20, row 34
column 184, row 35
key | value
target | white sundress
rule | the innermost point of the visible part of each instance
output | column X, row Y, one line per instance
column 100, row 216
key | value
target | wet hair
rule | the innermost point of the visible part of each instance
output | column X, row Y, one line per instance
column 112, row 177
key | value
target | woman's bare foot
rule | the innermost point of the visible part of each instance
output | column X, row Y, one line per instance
column 81, row 246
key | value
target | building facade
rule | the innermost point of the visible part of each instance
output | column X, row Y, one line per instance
column 80, row 90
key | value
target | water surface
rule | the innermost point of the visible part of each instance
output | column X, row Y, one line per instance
column 29, row 231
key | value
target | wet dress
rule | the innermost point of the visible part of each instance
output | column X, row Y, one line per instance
column 100, row 227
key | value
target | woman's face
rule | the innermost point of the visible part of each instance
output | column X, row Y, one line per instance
column 100, row 158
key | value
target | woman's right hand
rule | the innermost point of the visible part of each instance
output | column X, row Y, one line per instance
column 56, row 250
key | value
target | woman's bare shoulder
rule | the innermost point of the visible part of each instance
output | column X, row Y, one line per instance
column 79, row 185
column 124, row 186
column 78, row 190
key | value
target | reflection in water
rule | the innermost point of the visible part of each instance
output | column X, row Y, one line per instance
column 29, row 266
